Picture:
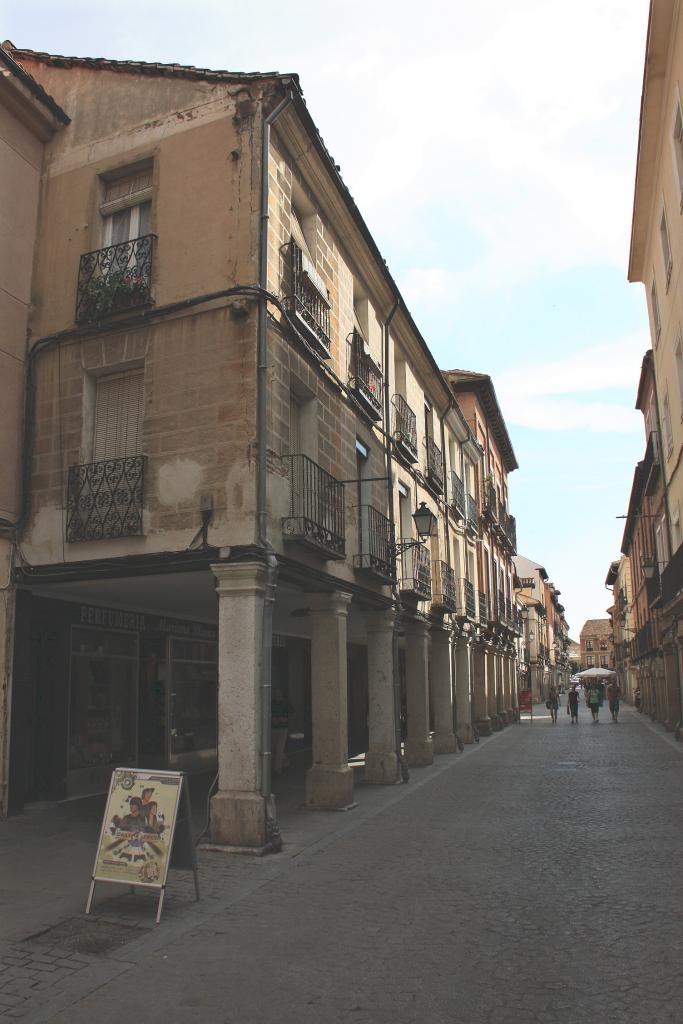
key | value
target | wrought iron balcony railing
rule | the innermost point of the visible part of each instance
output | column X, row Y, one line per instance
column 483, row 606
column 468, row 605
column 472, row 514
column 104, row 499
column 651, row 462
column 307, row 300
column 316, row 512
column 365, row 379
column 444, row 590
column 645, row 640
column 457, row 496
column 490, row 502
column 672, row 577
column 511, row 533
column 405, row 429
column 416, row 576
column 376, row 544
column 434, row 466
column 115, row 279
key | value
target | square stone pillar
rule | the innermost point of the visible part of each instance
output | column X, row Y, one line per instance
column 480, row 711
column 672, row 686
column 7, row 618
column 493, row 683
column 381, row 760
column 418, row 748
column 463, row 706
column 238, row 809
column 442, row 691
column 508, row 669
column 329, row 782
column 500, row 688
column 514, row 699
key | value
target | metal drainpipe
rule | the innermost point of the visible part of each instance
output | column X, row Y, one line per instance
column 273, row 834
column 390, row 504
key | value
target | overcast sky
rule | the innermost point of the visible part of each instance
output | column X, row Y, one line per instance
column 492, row 154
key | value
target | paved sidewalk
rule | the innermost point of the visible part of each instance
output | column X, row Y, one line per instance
column 537, row 877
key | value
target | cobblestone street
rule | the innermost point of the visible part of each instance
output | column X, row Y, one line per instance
column 535, row 878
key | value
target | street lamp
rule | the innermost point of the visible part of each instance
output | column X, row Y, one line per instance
column 425, row 521
column 649, row 567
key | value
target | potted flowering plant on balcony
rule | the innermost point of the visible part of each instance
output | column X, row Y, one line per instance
column 115, row 291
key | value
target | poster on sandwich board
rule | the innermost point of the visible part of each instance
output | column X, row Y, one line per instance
column 146, row 829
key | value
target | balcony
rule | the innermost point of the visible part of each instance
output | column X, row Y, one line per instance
column 306, row 299
column 434, row 466
column 672, row 577
column 483, row 607
column 466, row 600
column 653, row 589
column 645, row 641
column 416, row 576
column 510, row 532
column 405, row 429
column 114, row 279
column 457, row 498
column 444, row 590
column 651, row 463
column 490, row 506
column 472, row 513
column 104, row 499
column 316, row 513
column 365, row 381
column 376, row 545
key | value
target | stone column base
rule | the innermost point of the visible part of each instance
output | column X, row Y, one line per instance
column 484, row 726
column 510, row 715
column 329, row 789
column 466, row 733
column 238, row 819
column 381, row 769
column 419, row 753
column 445, row 743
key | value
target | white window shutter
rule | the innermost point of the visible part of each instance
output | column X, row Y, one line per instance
column 118, row 416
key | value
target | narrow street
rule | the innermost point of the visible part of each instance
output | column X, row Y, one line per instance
column 535, row 878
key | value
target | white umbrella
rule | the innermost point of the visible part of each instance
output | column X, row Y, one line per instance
column 595, row 673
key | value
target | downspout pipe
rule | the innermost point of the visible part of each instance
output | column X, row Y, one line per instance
column 392, row 527
column 272, row 829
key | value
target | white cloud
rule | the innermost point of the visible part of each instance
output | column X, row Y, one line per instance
column 547, row 395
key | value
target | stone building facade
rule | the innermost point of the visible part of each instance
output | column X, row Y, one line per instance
column 494, row 650
column 623, row 634
column 595, row 641
column 652, row 654
column 29, row 118
column 656, row 261
column 235, row 422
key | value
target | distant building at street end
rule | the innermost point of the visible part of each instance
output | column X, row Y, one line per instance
column 596, row 644
column 545, row 629
column 656, row 261
column 574, row 656
column 623, row 633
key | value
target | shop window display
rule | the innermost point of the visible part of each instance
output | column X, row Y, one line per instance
column 102, row 709
column 194, row 696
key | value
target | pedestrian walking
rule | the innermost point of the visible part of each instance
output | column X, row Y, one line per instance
column 552, row 702
column 613, row 695
column 593, row 701
column 573, row 704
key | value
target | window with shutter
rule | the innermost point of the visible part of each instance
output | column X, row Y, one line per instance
column 127, row 207
column 118, row 416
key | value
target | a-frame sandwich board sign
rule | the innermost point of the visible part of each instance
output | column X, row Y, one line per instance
column 146, row 829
